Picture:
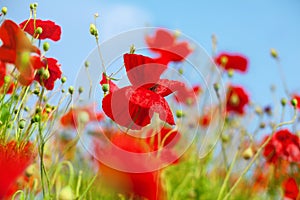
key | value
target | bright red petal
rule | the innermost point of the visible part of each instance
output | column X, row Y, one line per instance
column 133, row 108
column 161, row 39
column 291, row 189
column 236, row 62
column 142, row 70
column 50, row 29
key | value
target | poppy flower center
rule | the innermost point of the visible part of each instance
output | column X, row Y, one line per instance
column 234, row 100
column 224, row 60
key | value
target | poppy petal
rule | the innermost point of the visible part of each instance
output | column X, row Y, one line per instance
column 142, row 69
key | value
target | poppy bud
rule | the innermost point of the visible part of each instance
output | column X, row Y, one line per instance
column 262, row 125
column 4, row 10
column 38, row 110
column 105, row 88
column 274, row 53
column 35, row 5
column 180, row 71
column 36, row 118
column 48, row 110
column 93, row 29
column 248, row 153
column 283, row 101
column 179, row 113
column 26, row 108
column 36, row 92
column 86, row 64
column 66, row 193
column 63, row 91
column 225, row 138
column 258, row 110
column 132, row 49
column 216, row 86
column 39, row 30
column 7, row 79
column 31, row 6
column 44, row 73
column 63, row 79
column 294, row 102
column 80, row 90
column 230, row 73
column 71, row 89
column 46, row 46
column 22, row 124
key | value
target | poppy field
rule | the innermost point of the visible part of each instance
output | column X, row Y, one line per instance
column 156, row 118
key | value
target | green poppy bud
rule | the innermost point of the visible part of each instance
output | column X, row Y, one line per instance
column 105, row 88
column 63, row 79
column 248, row 153
column 46, row 46
column 274, row 53
column 294, row 102
column 71, row 89
column 22, row 124
column 4, row 10
column 39, row 30
column 283, row 101
column 179, row 113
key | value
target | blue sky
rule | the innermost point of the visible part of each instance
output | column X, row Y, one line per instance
column 250, row 27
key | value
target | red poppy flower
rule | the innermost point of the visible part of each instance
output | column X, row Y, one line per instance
column 283, row 145
column 165, row 44
column 80, row 115
column 14, row 158
column 205, row 120
column 297, row 97
column 133, row 106
column 50, row 65
column 50, row 30
column 188, row 96
column 17, row 49
column 236, row 100
column 291, row 190
column 106, row 80
column 228, row 61
column 141, row 184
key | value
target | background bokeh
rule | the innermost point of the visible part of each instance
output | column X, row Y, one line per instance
column 250, row 27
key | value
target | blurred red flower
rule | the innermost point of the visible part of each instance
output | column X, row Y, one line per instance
column 133, row 106
column 229, row 61
column 291, row 190
column 142, row 184
column 14, row 158
column 80, row 116
column 188, row 96
column 283, row 145
column 236, row 99
column 165, row 43
column 17, row 49
column 50, row 66
column 50, row 30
